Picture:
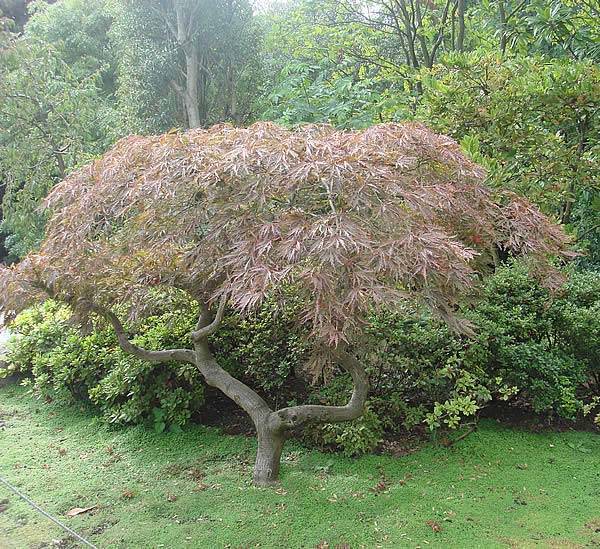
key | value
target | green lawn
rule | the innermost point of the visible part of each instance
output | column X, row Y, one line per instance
column 496, row 488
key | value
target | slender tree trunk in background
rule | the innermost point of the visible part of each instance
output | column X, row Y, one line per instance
column 460, row 38
column 439, row 41
column 191, row 91
column 185, row 40
column 231, row 97
column 503, row 25
column 583, row 125
column 60, row 161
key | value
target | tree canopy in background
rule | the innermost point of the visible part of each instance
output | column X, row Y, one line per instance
column 515, row 82
column 56, row 86
column 195, row 54
column 77, row 75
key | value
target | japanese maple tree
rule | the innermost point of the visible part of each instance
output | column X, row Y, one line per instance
column 346, row 222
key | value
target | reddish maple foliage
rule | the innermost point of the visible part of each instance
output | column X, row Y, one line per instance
column 346, row 221
column 349, row 220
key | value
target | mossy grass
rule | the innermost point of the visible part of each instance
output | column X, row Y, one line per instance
column 498, row 487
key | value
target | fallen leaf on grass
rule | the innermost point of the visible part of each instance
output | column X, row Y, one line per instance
column 62, row 452
column 171, row 497
column 594, row 525
column 79, row 511
column 381, row 486
column 433, row 525
column 127, row 494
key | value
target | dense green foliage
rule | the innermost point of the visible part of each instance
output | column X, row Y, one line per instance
column 532, row 122
column 150, row 63
column 55, row 111
column 84, row 73
column 64, row 363
column 531, row 351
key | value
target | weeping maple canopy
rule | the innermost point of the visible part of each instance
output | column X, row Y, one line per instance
column 346, row 220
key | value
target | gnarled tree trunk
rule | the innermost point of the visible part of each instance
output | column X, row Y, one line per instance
column 272, row 427
column 268, row 456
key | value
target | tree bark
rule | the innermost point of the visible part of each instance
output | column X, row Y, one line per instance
column 460, row 39
column 503, row 26
column 192, row 108
column 185, row 39
column 272, row 427
column 268, row 456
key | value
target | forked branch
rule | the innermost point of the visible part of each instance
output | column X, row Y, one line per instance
column 203, row 332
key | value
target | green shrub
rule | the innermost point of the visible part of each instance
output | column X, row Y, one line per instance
column 74, row 365
column 134, row 391
column 352, row 438
column 36, row 332
column 538, row 343
column 575, row 315
column 532, row 349
column 64, row 363
column 536, row 350
column 412, row 362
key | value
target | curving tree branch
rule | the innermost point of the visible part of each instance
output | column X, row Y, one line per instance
column 295, row 416
column 181, row 355
column 203, row 332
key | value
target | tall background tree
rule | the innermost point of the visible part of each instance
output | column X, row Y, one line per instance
column 56, row 89
column 185, row 63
